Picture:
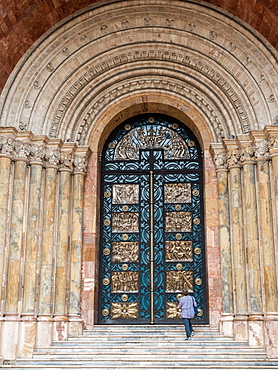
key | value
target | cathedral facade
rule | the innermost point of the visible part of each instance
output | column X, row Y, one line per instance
column 138, row 157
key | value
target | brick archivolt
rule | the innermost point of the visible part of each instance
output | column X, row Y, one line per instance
column 115, row 50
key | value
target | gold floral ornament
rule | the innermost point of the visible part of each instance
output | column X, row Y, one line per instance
column 111, row 145
column 105, row 281
column 195, row 192
column 172, row 310
column 197, row 250
column 107, row 222
column 124, row 297
column 107, row 194
column 124, row 236
column 178, row 236
column 191, row 143
column 125, row 208
column 198, row 281
column 124, row 311
column 179, row 296
column 124, row 266
column 179, row 266
column 151, row 120
column 105, row 312
column 196, row 221
column 127, row 127
column 178, row 207
column 175, row 126
column 106, row 251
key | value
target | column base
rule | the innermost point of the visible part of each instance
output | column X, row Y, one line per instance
column 271, row 334
column 226, row 325
column 240, row 328
column 255, row 330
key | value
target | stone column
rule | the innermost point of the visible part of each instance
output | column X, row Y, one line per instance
column 63, row 249
column 80, row 163
column 252, row 244
column 267, row 245
column 238, row 248
column 16, row 247
column 5, row 170
column 45, row 303
column 220, row 159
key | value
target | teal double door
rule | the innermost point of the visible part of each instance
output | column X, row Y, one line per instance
column 152, row 238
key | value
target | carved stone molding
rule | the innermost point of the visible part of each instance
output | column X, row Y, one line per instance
column 233, row 157
column 195, row 63
column 247, row 152
column 211, row 112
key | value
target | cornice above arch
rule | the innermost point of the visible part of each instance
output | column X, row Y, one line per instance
column 58, row 83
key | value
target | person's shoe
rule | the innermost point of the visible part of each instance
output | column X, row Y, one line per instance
column 192, row 333
column 188, row 338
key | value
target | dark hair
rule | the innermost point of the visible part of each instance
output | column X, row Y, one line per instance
column 185, row 292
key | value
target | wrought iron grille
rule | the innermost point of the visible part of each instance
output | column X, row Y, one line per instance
column 152, row 223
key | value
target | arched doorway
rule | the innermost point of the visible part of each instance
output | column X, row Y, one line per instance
column 152, row 234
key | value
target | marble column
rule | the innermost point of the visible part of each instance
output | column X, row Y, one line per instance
column 238, row 247
column 220, row 160
column 252, row 244
column 62, row 251
column 45, row 304
column 13, row 290
column 5, row 170
column 267, row 246
column 33, row 230
column 80, row 163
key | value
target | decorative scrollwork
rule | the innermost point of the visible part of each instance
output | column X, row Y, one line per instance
column 126, row 194
column 176, row 281
column 125, row 252
column 124, row 311
column 124, row 281
column 178, row 222
column 125, row 222
column 149, row 137
column 177, row 193
column 179, row 251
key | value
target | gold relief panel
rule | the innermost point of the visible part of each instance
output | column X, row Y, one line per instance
column 176, row 281
column 126, row 194
column 178, row 222
column 177, row 193
column 125, row 222
column 124, row 281
column 179, row 251
column 124, row 311
column 125, row 252
column 172, row 310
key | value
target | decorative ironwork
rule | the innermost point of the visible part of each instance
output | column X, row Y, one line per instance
column 124, row 281
column 125, row 222
column 172, row 310
column 177, row 193
column 179, row 251
column 125, row 252
column 124, row 311
column 151, row 137
column 176, row 281
column 126, row 194
column 152, row 192
column 178, row 221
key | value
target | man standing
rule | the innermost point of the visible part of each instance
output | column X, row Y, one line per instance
column 187, row 304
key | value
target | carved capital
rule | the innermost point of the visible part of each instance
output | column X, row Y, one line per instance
column 247, row 153
column 6, row 145
column 80, row 162
column 66, row 161
column 22, row 150
column 220, row 160
column 37, row 153
column 52, row 157
column 234, row 157
column 261, row 149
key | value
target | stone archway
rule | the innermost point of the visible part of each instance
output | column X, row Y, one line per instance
column 81, row 80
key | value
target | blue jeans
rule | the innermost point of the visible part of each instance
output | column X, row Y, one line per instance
column 188, row 327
